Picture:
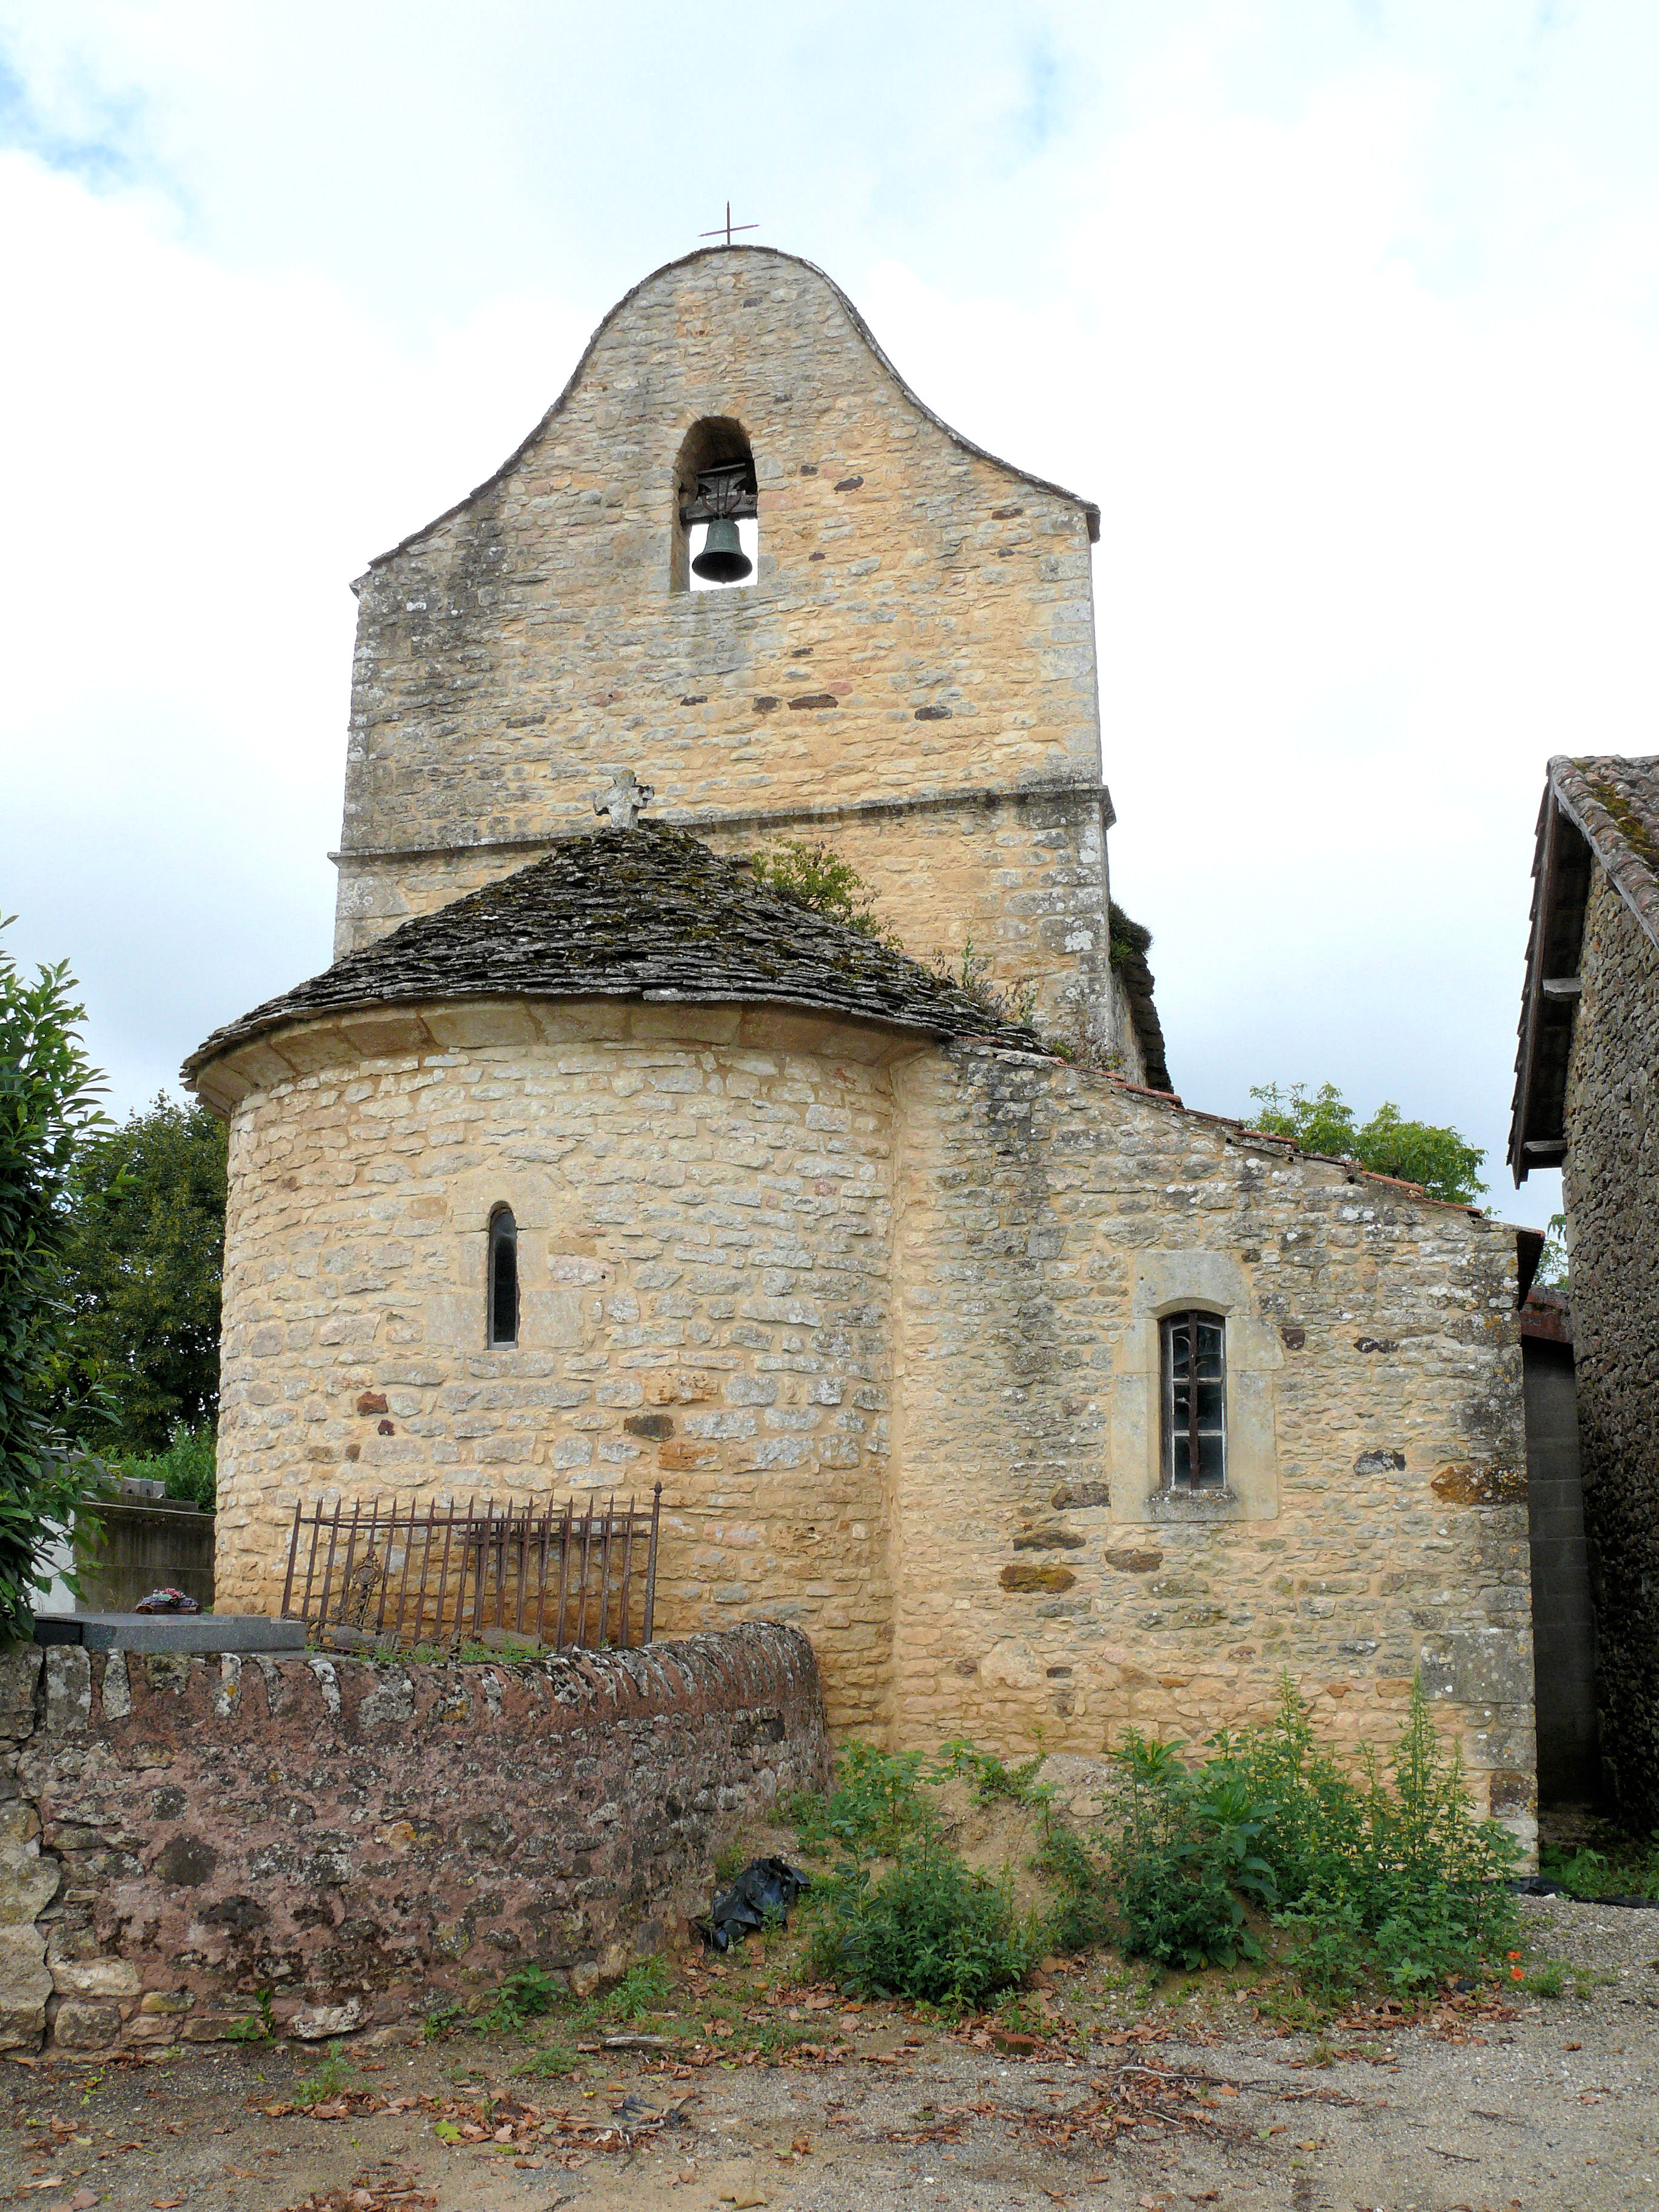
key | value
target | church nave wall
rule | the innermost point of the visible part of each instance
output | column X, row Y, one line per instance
column 1375, row 1521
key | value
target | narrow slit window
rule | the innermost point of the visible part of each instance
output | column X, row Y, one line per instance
column 503, row 1277
column 1194, row 1364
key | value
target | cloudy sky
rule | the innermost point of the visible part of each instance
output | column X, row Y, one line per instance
column 1346, row 311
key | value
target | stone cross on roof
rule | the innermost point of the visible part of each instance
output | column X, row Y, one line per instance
column 625, row 801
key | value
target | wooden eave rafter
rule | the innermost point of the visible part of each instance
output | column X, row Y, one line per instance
column 1576, row 832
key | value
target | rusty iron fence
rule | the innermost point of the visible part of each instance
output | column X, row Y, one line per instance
column 552, row 1574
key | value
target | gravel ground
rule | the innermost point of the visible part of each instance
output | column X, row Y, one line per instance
column 1165, row 2107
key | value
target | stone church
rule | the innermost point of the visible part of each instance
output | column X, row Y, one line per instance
column 1041, row 1402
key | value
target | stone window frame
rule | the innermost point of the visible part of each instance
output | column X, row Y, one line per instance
column 502, row 1238
column 1169, row 1282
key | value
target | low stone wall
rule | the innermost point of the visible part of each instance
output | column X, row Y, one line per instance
column 365, row 1842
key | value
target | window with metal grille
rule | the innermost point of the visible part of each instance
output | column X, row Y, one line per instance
column 1194, row 1364
column 503, row 1277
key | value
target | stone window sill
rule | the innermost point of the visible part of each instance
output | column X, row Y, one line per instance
column 1195, row 1505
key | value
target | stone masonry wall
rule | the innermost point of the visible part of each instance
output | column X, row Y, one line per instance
column 703, row 1198
column 365, row 1843
column 1377, row 1519
column 1610, row 1188
column 922, row 620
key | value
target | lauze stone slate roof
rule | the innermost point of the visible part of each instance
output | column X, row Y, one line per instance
column 1601, row 808
column 644, row 913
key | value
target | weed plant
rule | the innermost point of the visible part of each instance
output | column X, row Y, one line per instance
column 524, row 1995
column 992, row 1778
column 645, row 1990
column 875, row 1810
column 1388, row 1876
column 1625, row 1867
column 1082, row 1917
column 326, row 2080
column 258, row 2027
column 933, row 1930
column 1186, row 1858
column 551, row 2060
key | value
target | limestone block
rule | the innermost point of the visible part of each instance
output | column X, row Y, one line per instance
column 28, row 1880
column 94, row 1977
column 68, row 1688
column 316, row 2023
column 19, row 1677
column 82, row 2026
column 25, row 1985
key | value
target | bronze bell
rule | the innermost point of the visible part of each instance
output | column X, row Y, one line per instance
column 722, row 559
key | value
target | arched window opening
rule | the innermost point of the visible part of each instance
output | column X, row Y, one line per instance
column 1194, row 1364
column 503, row 1277
column 716, row 539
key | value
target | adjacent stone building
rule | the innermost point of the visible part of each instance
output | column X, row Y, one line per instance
column 1587, row 1099
column 1039, row 1401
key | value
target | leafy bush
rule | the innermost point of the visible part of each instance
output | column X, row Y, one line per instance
column 144, row 1253
column 48, row 1090
column 991, row 1776
column 875, row 1806
column 1392, row 1877
column 933, row 1931
column 189, row 1466
column 1185, row 1858
column 1081, row 1918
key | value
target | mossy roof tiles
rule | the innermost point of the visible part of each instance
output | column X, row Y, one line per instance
column 645, row 912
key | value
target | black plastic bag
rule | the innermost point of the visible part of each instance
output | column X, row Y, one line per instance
column 764, row 1892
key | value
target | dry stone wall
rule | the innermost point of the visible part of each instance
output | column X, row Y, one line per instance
column 365, row 1843
column 920, row 624
column 1375, row 1521
column 703, row 1198
column 1611, row 1188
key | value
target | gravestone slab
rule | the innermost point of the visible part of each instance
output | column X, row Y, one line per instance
column 171, row 1632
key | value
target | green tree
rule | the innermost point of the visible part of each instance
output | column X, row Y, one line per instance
column 1446, row 1164
column 142, row 1257
column 1552, row 1269
column 48, row 1090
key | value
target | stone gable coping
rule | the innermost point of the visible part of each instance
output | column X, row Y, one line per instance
column 1234, row 1131
column 1090, row 509
column 649, row 913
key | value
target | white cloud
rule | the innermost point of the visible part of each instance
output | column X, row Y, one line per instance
column 211, row 458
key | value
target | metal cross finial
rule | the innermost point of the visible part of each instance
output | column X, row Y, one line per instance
column 726, row 228
column 625, row 801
